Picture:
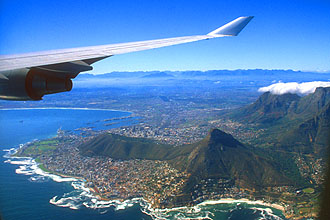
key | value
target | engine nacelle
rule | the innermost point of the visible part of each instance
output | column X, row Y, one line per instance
column 31, row 84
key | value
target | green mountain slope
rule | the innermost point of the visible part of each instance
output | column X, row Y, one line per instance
column 121, row 147
column 219, row 155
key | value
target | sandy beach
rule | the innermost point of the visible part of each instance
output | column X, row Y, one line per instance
column 230, row 200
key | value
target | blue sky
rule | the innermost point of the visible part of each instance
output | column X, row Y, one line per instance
column 284, row 34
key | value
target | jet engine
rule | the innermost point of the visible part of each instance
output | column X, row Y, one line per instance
column 34, row 83
column 31, row 84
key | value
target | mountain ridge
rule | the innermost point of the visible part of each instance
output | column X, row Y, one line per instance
column 291, row 122
column 218, row 155
column 121, row 147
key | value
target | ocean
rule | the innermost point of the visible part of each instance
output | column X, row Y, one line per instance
column 26, row 192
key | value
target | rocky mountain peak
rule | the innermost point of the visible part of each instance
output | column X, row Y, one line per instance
column 217, row 137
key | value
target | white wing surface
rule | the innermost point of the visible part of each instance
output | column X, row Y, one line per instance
column 92, row 54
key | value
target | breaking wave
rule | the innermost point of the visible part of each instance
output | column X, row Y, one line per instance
column 195, row 212
column 220, row 209
column 29, row 166
column 83, row 196
column 79, row 197
column 266, row 213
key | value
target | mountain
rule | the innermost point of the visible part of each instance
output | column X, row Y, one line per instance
column 271, row 108
column 268, row 108
column 292, row 123
column 158, row 75
column 219, row 155
column 121, row 147
column 253, row 74
column 112, row 75
column 313, row 103
column 311, row 136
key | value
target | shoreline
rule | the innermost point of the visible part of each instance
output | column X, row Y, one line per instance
column 148, row 209
column 244, row 200
column 156, row 212
column 66, row 108
column 205, row 203
column 45, row 170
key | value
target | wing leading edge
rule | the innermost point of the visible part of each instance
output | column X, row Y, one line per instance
column 89, row 55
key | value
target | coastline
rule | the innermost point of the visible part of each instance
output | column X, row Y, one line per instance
column 66, row 108
column 49, row 173
column 244, row 200
column 156, row 210
column 202, row 214
column 99, row 202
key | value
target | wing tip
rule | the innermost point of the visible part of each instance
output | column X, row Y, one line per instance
column 232, row 28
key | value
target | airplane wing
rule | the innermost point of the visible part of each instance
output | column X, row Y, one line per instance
column 29, row 60
column 32, row 75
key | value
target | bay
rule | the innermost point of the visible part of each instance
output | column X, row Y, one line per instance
column 23, row 199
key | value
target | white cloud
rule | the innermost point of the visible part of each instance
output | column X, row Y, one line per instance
column 294, row 88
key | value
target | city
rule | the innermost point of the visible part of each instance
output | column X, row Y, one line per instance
column 156, row 181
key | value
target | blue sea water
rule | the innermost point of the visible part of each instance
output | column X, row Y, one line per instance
column 22, row 198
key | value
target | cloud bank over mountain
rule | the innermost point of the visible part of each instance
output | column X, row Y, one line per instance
column 294, row 88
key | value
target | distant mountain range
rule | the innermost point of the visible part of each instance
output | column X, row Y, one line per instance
column 158, row 75
column 283, row 74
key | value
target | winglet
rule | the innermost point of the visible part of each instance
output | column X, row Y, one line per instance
column 232, row 28
column 3, row 77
